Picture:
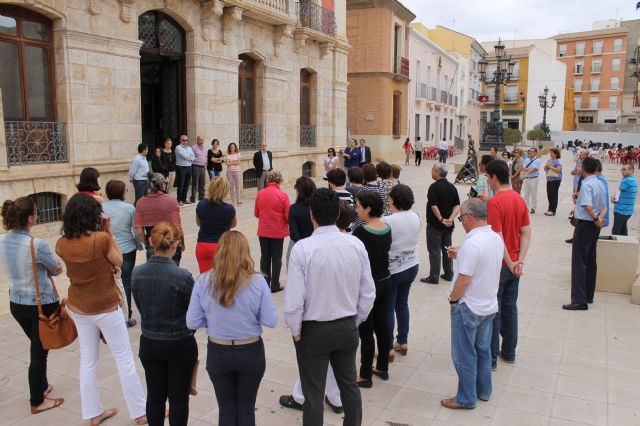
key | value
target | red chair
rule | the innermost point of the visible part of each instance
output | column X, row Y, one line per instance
column 622, row 156
column 636, row 154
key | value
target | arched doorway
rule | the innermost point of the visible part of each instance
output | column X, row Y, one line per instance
column 162, row 77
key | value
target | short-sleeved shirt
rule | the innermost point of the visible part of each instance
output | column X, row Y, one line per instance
column 482, row 186
column 627, row 198
column 554, row 163
column 405, row 228
column 508, row 214
column 532, row 163
column 215, row 220
column 592, row 194
column 445, row 196
column 121, row 215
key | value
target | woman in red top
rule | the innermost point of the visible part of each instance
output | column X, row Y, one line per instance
column 272, row 211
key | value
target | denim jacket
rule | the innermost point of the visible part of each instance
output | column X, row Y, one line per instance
column 162, row 291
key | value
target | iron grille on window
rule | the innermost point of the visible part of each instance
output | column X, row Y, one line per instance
column 307, row 169
column 49, row 206
column 307, row 135
column 316, row 17
column 35, row 142
column 250, row 136
column 249, row 179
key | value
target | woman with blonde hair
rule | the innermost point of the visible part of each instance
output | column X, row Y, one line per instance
column 214, row 216
column 168, row 349
column 233, row 302
column 516, row 168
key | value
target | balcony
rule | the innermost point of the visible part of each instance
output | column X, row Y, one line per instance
column 401, row 66
column 450, row 100
column 455, row 101
column 315, row 17
column 422, row 90
column 275, row 12
column 434, row 94
column 444, row 96
column 307, row 135
column 35, row 142
column 250, row 136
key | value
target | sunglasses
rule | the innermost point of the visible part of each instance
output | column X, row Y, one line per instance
column 461, row 216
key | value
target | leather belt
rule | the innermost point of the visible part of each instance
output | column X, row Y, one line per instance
column 532, row 177
column 235, row 342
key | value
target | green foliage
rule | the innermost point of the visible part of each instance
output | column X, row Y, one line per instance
column 512, row 136
column 535, row 134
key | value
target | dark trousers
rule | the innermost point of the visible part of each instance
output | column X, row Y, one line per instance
column 377, row 323
column 620, row 224
column 236, row 373
column 437, row 241
column 418, row 160
column 321, row 343
column 583, row 261
column 442, row 155
column 168, row 367
column 552, row 194
column 183, row 179
column 128, row 262
column 140, row 188
column 271, row 260
column 197, row 182
column 27, row 317
column 505, row 322
column 177, row 257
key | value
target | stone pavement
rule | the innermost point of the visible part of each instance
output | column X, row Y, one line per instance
column 572, row 367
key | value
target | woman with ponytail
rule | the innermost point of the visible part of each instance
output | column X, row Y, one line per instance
column 18, row 217
column 168, row 349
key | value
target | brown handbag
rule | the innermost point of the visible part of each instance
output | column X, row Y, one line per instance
column 58, row 330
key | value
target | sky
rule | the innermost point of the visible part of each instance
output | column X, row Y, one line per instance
column 519, row 19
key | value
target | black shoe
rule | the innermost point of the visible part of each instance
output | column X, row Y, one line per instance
column 384, row 375
column 446, row 277
column 131, row 322
column 569, row 241
column 368, row 384
column 429, row 280
column 507, row 360
column 335, row 408
column 494, row 367
column 187, row 202
column 192, row 199
column 590, row 301
column 575, row 307
column 532, row 211
column 277, row 290
column 287, row 401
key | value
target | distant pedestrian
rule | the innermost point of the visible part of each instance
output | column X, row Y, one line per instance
column 139, row 172
column 482, row 190
column 407, row 148
column 198, row 170
column 385, row 184
column 184, row 159
column 234, row 175
column 417, row 148
column 215, row 158
column 531, row 169
column 443, row 151
column 330, row 162
column 351, row 156
column 169, row 160
column 157, row 165
column 624, row 200
column 263, row 164
column 515, row 173
column 365, row 153
column 554, row 178
column 300, row 225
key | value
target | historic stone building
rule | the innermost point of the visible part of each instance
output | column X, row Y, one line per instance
column 84, row 81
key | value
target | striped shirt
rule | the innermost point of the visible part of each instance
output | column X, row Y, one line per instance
column 329, row 278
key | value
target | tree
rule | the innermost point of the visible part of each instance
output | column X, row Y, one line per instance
column 512, row 136
column 535, row 134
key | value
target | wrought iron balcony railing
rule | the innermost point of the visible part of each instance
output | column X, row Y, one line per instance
column 250, row 136
column 33, row 142
column 316, row 17
column 443, row 96
column 307, row 135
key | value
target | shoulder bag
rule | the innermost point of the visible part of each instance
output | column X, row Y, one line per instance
column 57, row 330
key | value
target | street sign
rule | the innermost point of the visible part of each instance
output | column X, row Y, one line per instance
column 483, row 98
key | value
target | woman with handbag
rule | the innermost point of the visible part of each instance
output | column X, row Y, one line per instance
column 92, row 257
column 168, row 349
column 554, row 178
column 233, row 302
column 18, row 217
column 516, row 170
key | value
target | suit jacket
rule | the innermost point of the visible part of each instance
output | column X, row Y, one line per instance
column 257, row 161
column 366, row 158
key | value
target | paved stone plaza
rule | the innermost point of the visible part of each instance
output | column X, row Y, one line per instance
column 571, row 368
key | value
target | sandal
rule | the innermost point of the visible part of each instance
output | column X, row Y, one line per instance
column 142, row 420
column 56, row 403
column 47, row 391
column 106, row 414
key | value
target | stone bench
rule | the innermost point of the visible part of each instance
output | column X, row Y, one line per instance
column 617, row 264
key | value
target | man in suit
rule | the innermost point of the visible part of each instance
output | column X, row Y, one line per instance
column 365, row 153
column 263, row 163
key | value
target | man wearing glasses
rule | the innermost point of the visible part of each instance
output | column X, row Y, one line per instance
column 184, row 160
column 624, row 200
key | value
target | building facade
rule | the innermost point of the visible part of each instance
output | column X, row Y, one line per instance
column 83, row 82
column 595, row 63
column 378, row 31
column 630, row 113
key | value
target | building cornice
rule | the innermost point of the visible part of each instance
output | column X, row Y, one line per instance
column 395, row 6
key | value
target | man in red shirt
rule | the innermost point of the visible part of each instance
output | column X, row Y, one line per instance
column 508, row 216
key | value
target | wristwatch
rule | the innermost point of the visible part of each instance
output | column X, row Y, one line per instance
column 453, row 302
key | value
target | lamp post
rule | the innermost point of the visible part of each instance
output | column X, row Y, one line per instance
column 544, row 104
column 493, row 132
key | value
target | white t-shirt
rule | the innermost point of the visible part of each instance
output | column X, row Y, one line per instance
column 405, row 227
column 480, row 257
column 443, row 145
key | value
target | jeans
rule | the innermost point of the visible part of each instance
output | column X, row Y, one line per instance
column 584, row 266
column 552, row 194
column 140, row 189
column 27, row 317
column 442, row 155
column 471, row 354
column 197, row 182
column 376, row 323
column 236, row 373
column 128, row 262
column 213, row 173
column 620, row 224
column 399, row 303
column 112, row 326
column 437, row 240
column 271, row 260
column 183, row 180
column 168, row 367
column 418, row 159
column 505, row 322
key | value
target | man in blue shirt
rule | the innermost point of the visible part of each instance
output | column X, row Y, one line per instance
column 589, row 213
column 605, row 185
column 139, row 172
column 531, row 169
column 624, row 200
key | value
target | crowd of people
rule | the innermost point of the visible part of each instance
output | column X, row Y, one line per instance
column 351, row 261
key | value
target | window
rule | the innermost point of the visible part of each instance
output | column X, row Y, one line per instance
column 511, row 94
column 307, row 169
column 429, row 76
column 249, row 179
column 307, row 129
column 613, row 101
column 615, row 83
column 418, row 76
column 580, row 48
column 617, row 45
column 585, row 119
column 593, row 102
column 516, row 70
column 49, row 204
column 428, row 128
column 595, row 84
column 577, row 85
column 27, row 74
column 615, row 64
column 563, row 50
column 397, row 47
column 579, row 69
column 577, row 102
column 397, row 112
column 597, row 47
column 417, row 129
column 596, row 65
column 247, row 89
column 444, row 130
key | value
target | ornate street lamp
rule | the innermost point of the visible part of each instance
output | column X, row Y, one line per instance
column 493, row 131
column 544, row 104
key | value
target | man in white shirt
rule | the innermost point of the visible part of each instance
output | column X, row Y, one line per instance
column 329, row 292
column 139, row 172
column 474, row 303
column 531, row 170
column 443, row 151
column 184, row 159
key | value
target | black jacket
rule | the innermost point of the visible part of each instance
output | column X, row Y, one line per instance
column 257, row 161
column 366, row 158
